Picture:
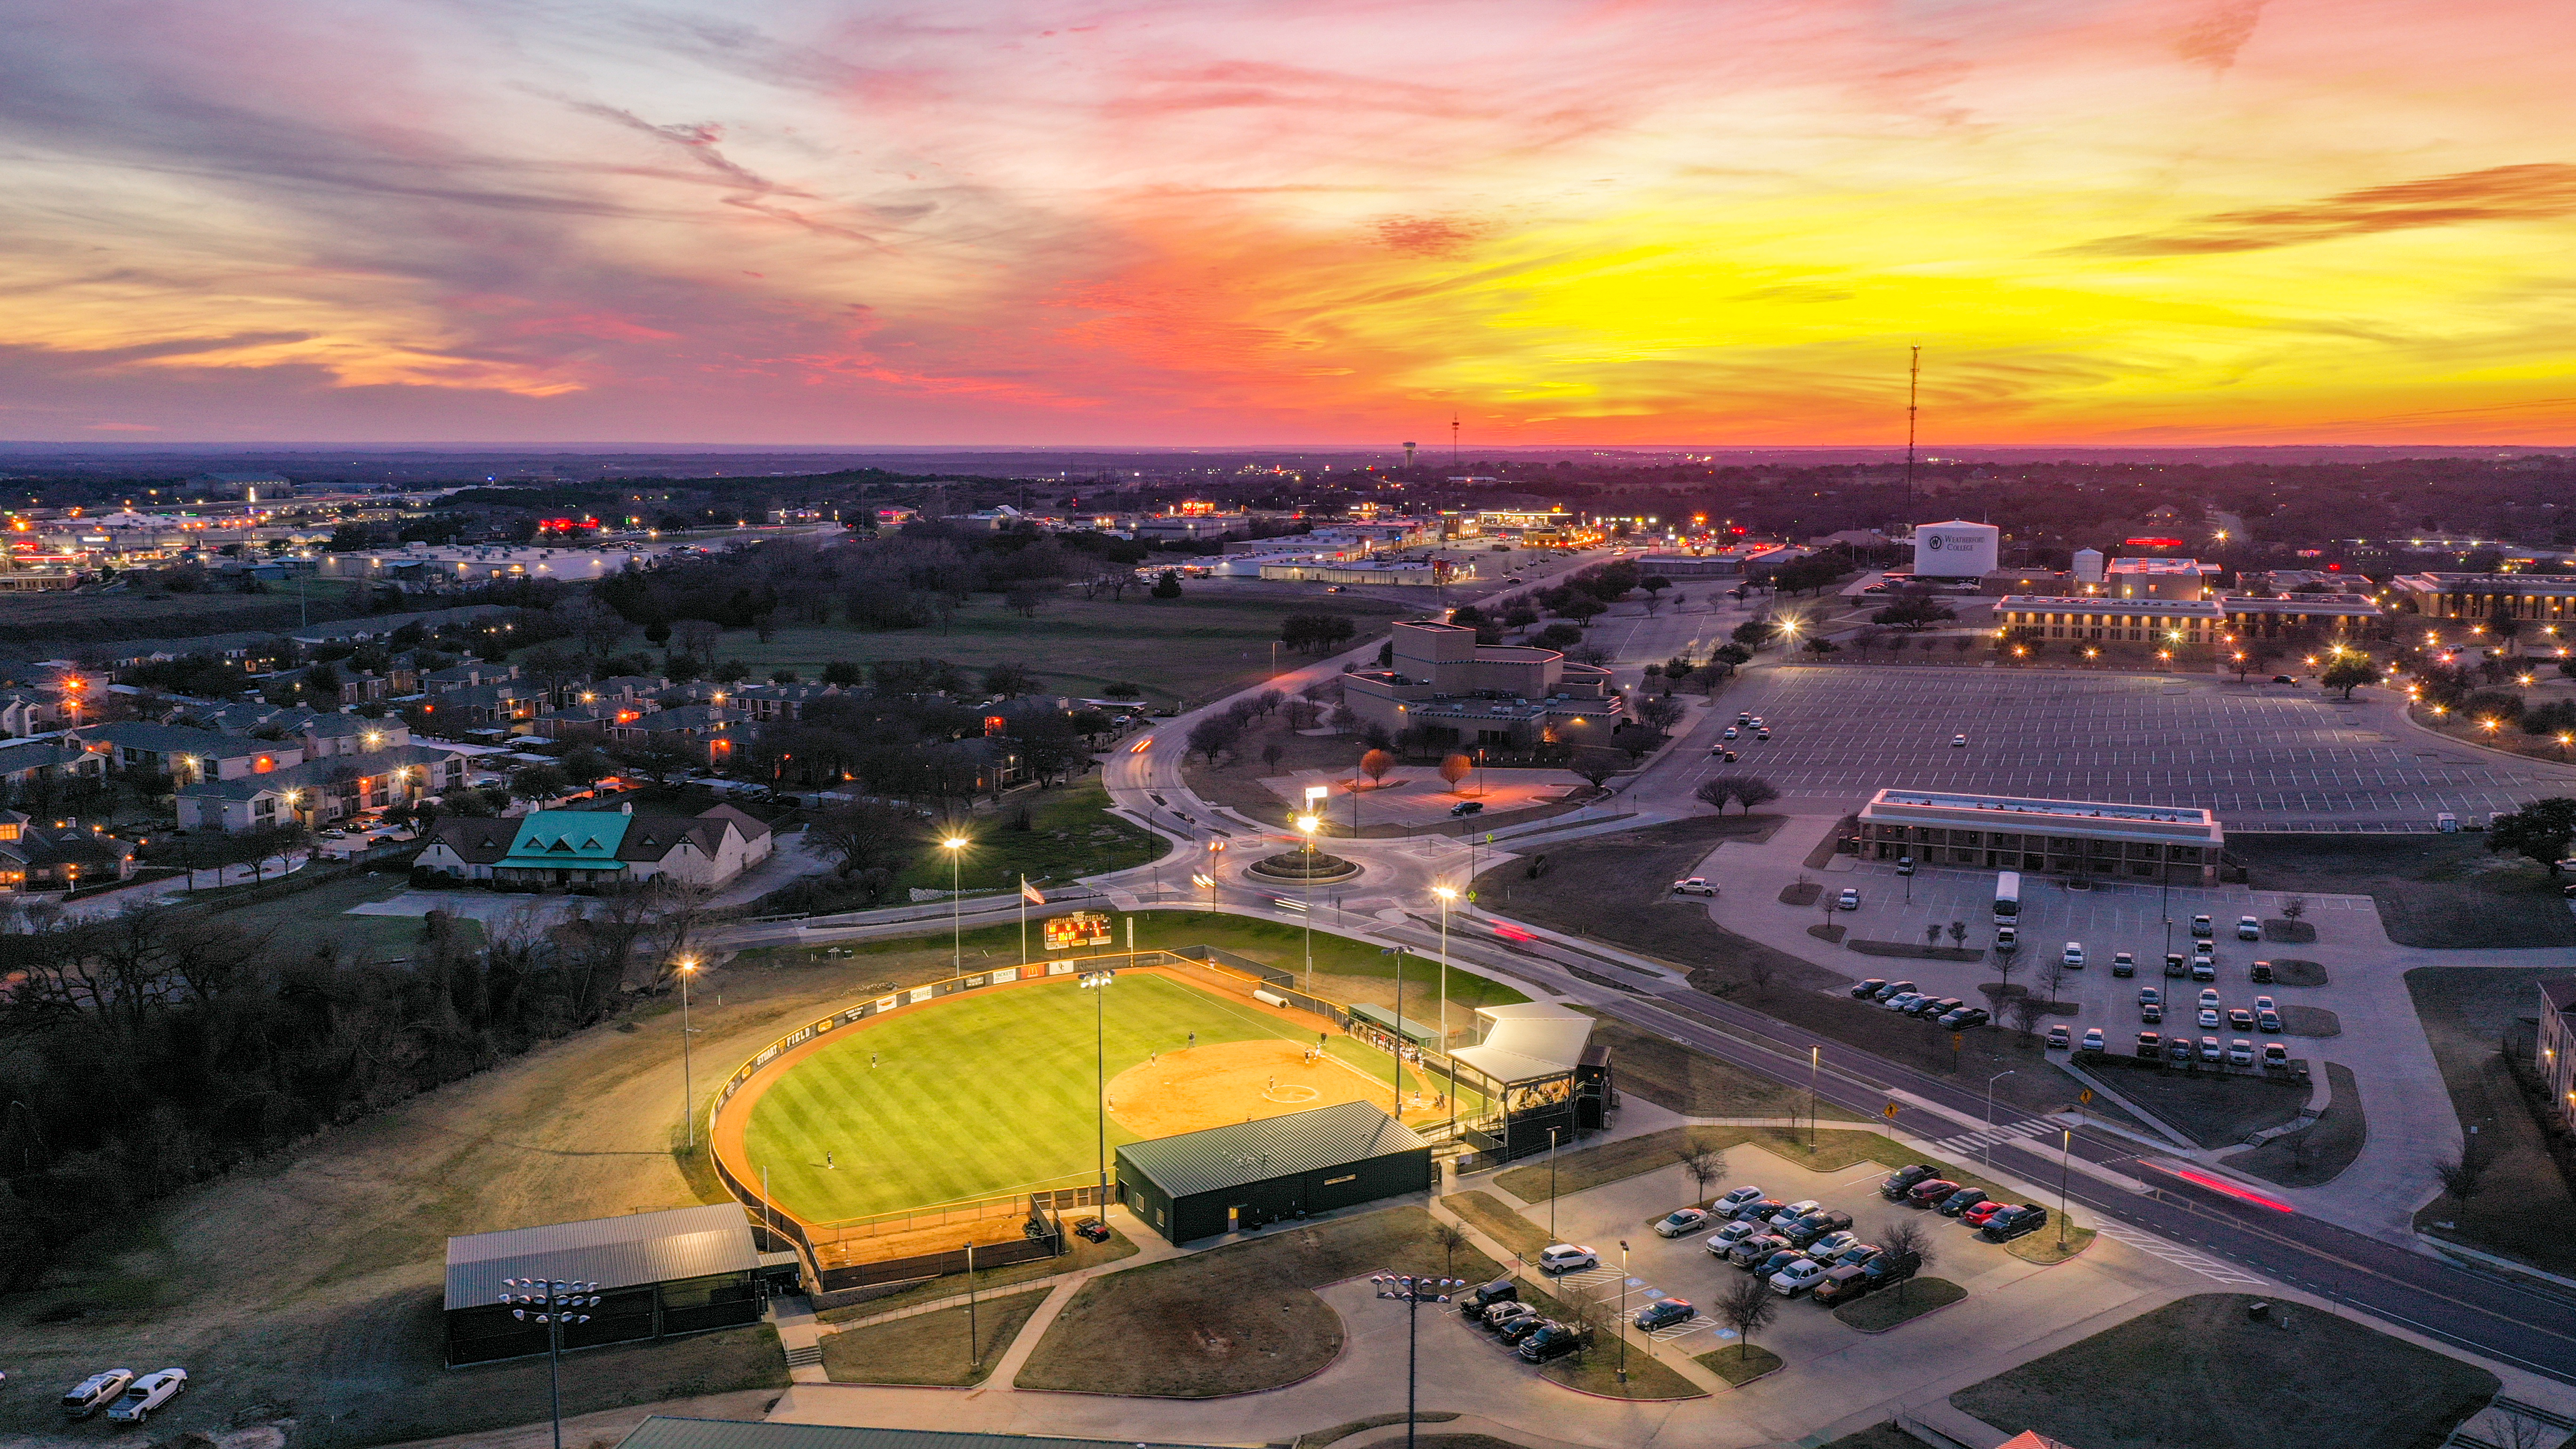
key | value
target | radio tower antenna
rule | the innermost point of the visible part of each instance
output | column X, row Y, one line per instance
column 1913, row 382
column 1453, row 440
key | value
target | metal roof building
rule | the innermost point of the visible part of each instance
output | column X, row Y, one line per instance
column 660, row 1274
column 1225, row 1179
column 662, row 1432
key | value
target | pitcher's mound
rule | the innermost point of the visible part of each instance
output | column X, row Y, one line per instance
column 1235, row 1081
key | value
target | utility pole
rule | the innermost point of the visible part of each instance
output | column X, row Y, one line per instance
column 1913, row 381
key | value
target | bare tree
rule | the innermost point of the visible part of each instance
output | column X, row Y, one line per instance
column 1958, row 932
column 1932, row 934
column 1451, row 1238
column 2464, row 1176
column 696, row 638
column 2294, row 907
column 1755, row 792
column 1717, row 792
column 1375, row 764
column 1701, row 1164
column 2026, row 1011
column 1903, row 1238
column 1747, row 1306
column 1454, row 768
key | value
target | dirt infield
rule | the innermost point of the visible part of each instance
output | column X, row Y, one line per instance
column 1237, row 1081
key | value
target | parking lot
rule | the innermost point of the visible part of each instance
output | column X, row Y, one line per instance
column 2264, row 757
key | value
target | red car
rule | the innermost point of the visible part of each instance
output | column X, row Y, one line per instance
column 1975, row 1217
column 1925, row 1194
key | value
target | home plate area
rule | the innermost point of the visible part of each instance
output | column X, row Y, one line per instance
column 1194, row 1088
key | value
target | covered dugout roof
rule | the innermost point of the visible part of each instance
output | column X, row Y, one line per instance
column 1529, row 1040
column 662, row 1432
column 1230, row 1156
column 613, row 1252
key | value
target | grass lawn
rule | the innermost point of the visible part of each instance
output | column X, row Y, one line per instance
column 1487, row 1214
column 2320, row 1151
column 978, row 1095
column 2211, row 1108
column 1071, row 834
column 1080, row 1253
column 1909, row 1300
column 1345, row 970
column 1212, row 640
column 1740, row 1363
column 1836, row 1151
column 1235, row 1320
column 2043, row 1248
column 1696, row 1084
column 2432, row 890
column 2339, row 1382
column 930, row 1348
column 2526, row 1210
column 298, row 925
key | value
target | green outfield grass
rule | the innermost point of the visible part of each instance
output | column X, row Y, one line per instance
column 978, row 1095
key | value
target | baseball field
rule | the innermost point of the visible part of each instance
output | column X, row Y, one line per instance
column 991, row 1092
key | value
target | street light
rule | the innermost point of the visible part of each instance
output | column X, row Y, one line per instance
column 688, row 1080
column 955, row 845
column 552, row 1299
column 1413, row 1292
column 1097, row 982
column 1306, row 886
column 1989, row 1148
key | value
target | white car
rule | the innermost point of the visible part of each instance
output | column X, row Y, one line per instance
column 1695, row 886
column 2072, row 956
column 2208, row 1017
column 1567, row 1258
column 2007, row 938
column 1796, row 1210
column 1723, row 1241
column 1797, row 1278
column 2209, row 996
column 1681, row 1221
column 1958, row 742
column 148, row 1393
column 2248, row 929
column 95, row 1392
column 1736, row 1198
column 1849, row 900
column 2240, row 1052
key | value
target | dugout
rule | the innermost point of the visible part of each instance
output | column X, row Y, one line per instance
column 1413, row 1029
column 1225, row 1179
column 1538, row 1062
column 660, row 1275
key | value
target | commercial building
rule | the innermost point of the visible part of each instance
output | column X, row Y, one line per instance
column 1497, row 695
column 2169, row 845
column 1225, row 1179
column 1957, row 549
column 2181, row 579
column 456, row 566
column 2169, row 622
column 2550, row 598
column 1422, row 575
column 599, row 847
column 1736, row 561
column 1545, row 1076
column 2557, row 1060
column 2334, row 615
column 659, row 1275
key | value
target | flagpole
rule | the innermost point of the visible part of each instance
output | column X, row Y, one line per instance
column 1024, row 920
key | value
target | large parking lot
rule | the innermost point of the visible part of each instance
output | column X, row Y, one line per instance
column 2263, row 757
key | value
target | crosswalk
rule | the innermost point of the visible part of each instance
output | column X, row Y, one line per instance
column 1967, row 1142
column 2208, row 1267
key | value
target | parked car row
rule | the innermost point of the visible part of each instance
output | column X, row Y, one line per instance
column 1903, row 996
column 128, row 1399
column 1497, row 1307
column 1996, row 1221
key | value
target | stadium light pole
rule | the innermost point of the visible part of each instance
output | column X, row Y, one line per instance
column 1097, row 983
column 1306, row 884
column 688, row 967
column 552, row 1299
column 956, row 848
column 1413, row 1292
column 1447, row 893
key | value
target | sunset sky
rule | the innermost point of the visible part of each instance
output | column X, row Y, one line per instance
column 1625, row 222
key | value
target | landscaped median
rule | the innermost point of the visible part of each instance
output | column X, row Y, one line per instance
column 1739, row 1364
column 931, row 1348
column 1903, row 1303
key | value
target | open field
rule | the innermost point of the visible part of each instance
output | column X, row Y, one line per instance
column 931, row 1348
column 298, row 925
column 2432, row 890
column 314, row 1278
column 989, row 1093
column 1071, row 834
column 1237, row 1319
column 73, row 619
column 2211, row 1109
column 1696, row 1084
column 1214, row 639
column 2197, row 1372
column 2525, row 1210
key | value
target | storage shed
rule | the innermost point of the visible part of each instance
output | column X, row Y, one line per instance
column 1225, row 1179
column 660, row 1274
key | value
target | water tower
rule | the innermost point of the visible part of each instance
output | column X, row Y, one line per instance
column 1408, row 455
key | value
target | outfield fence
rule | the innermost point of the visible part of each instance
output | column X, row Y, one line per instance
column 853, row 1253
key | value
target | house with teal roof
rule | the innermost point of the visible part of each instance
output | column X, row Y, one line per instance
column 565, row 848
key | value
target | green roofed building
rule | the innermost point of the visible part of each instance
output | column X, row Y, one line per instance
column 661, row 1432
column 1226, row 1179
column 582, row 841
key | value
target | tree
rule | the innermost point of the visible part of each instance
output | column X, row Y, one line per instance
column 1755, row 792
column 1595, row 765
column 1213, row 736
column 1746, row 1305
column 1271, row 754
column 1168, row 586
column 1654, row 585
column 1958, row 932
column 1915, row 611
column 1700, row 1163
column 1451, row 1238
column 863, row 835
column 657, row 632
column 1754, row 633
column 1718, row 792
column 696, row 638
column 2464, row 1176
column 1010, row 681
column 585, row 766
column 1558, row 636
column 538, row 783
column 2350, row 672
column 1932, row 934
column 1454, row 768
column 1023, row 600
column 1659, row 713
column 2255, row 657
column 1375, row 764
column 843, row 673
column 1903, row 1239
column 1820, row 646
column 658, row 757
column 2294, row 907
column 2026, row 1011
column 1582, row 609
column 2538, row 831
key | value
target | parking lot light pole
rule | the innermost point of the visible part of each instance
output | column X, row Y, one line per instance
column 552, row 1299
column 1097, row 983
column 1551, row 1184
column 1815, row 1064
column 1988, row 1148
column 1413, row 1292
column 2065, row 1150
column 1622, row 1329
column 688, row 1080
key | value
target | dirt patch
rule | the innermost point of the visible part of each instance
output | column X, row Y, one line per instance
column 2298, row 973
column 1911, row 951
column 2319, row 1152
column 2433, row 891
column 1826, row 933
column 1801, row 893
column 2211, row 1108
column 2353, row 1385
column 2310, row 1021
column 2525, row 1210
column 2291, row 933
column 1235, row 1081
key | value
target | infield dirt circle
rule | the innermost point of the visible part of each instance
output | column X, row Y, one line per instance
column 1237, row 1081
